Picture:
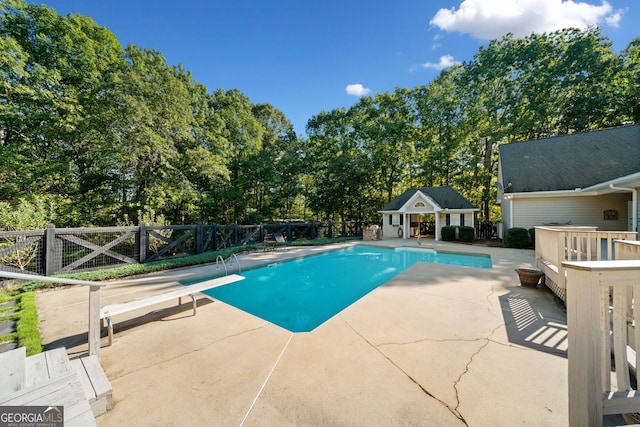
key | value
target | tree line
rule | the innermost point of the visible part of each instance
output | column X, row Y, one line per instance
column 93, row 133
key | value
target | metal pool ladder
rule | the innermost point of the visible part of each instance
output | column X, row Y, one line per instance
column 224, row 264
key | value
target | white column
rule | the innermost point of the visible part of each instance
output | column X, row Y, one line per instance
column 404, row 226
column 438, row 226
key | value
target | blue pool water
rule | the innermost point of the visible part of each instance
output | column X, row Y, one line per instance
column 302, row 294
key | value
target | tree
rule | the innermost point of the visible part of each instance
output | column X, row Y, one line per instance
column 386, row 126
column 277, row 172
column 25, row 215
column 341, row 171
column 438, row 131
column 630, row 57
column 243, row 134
column 59, row 126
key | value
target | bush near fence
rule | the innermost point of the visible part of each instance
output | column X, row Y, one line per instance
column 458, row 232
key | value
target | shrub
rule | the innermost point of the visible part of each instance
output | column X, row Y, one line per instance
column 466, row 234
column 532, row 236
column 448, row 233
column 516, row 237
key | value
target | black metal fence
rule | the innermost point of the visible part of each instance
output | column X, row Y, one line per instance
column 486, row 230
column 64, row 250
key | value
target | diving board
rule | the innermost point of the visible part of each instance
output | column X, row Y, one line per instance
column 107, row 312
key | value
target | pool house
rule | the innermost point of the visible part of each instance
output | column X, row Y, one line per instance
column 425, row 210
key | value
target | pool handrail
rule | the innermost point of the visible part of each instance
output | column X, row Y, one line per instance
column 93, row 338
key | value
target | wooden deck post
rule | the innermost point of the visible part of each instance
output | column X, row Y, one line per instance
column 93, row 338
column 585, row 353
column 50, row 257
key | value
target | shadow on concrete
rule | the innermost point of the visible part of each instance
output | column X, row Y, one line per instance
column 153, row 316
column 534, row 319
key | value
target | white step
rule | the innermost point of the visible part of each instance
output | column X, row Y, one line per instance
column 13, row 371
column 64, row 390
column 96, row 385
column 50, row 379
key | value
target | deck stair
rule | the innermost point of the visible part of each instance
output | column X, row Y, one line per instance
column 50, row 378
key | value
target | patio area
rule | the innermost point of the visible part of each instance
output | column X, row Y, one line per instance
column 436, row 345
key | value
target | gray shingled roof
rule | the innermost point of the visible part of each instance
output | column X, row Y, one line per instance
column 567, row 162
column 445, row 197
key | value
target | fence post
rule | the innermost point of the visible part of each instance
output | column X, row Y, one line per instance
column 235, row 234
column 199, row 238
column 289, row 231
column 330, row 224
column 214, row 236
column 50, row 257
column 313, row 230
column 143, row 241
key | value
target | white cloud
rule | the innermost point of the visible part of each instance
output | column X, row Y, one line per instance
column 492, row 19
column 445, row 62
column 357, row 90
column 614, row 19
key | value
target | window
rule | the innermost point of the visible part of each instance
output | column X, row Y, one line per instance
column 396, row 219
column 420, row 205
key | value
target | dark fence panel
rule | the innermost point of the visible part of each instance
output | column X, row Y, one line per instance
column 84, row 249
column 23, row 251
column 486, row 230
column 63, row 250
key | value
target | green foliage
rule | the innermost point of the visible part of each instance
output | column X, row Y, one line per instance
column 448, row 233
column 25, row 215
column 466, row 234
column 532, row 236
column 110, row 131
column 28, row 214
column 516, row 237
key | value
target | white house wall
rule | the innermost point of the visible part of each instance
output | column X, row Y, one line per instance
column 505, row 213
column 389, row 231
column 580, row 210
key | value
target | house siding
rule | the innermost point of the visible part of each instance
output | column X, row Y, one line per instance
column 506, row 213
column 388, row 230
column 581, row 211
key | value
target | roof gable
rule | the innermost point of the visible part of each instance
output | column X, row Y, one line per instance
column 567, row 162
column 444, row 197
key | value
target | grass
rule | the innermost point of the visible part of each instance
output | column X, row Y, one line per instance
column 27, row 332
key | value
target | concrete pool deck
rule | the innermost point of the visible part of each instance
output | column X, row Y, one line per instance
column 436, row 345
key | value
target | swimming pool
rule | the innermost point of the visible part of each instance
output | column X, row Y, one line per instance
column 302, row 294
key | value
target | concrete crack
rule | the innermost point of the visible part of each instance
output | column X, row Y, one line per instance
column 430, row 340
column 468, row 365
column 453, row 411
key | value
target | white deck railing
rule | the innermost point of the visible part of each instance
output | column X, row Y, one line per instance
column 93, row 338
column 627, row 249
column 554, row 245
column 599, row 295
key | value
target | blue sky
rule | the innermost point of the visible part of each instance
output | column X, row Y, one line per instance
column 304, row 57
